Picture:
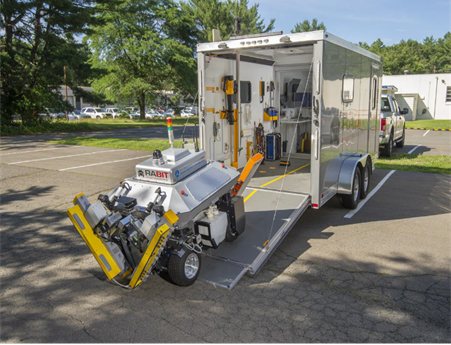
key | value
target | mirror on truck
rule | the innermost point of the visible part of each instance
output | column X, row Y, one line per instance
column 404, row 111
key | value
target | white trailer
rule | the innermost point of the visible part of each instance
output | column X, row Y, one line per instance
column 318, row 97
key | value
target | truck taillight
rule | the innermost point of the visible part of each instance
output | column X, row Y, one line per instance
column 383, row 124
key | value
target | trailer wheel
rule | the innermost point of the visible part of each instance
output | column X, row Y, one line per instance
column 184, row 270
column 366, row 178
column 400, row 144
column 351, row 201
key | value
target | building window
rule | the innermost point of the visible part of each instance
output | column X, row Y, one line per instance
column 245, row 92
column 348, row 88
column 448, row 94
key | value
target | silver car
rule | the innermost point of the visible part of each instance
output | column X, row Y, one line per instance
column 78, row 115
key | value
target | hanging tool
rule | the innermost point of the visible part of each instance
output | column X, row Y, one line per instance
column 229, row 86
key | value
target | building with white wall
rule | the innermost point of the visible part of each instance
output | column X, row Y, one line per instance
column 427, row 96
column 76, row 101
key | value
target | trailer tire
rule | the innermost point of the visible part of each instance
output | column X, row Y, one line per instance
column 366, row 179
column 400, row 144
column 351, row 201
column 178, row 272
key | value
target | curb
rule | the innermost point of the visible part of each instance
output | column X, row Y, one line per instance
column 425, row 129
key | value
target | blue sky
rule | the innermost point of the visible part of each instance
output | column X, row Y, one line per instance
column 364, row 20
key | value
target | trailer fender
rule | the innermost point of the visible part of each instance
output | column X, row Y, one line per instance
column 347, row 172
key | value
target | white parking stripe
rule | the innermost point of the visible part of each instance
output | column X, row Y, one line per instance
column 54, row 148
column 368, row 197
column 94, row 164
column 414, row 149
column 59, row 157
column 426, row 133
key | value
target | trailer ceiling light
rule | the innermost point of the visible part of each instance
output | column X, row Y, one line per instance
column 285, row 39
column 222, row 45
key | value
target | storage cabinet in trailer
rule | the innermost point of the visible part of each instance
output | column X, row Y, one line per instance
column 314, row 93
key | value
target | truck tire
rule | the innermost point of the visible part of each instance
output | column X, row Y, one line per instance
column 400, row 144
column 388, row 149
column 366, row 179
column 351, row 201
column 184, row 270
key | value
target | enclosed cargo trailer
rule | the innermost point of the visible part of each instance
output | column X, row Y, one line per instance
column 316, row 92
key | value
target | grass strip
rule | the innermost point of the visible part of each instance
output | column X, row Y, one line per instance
column 115, row 143
column 62, row 126
column 429, row 124
column 436, row 164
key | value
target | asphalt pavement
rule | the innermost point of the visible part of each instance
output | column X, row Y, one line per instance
column 426, row 142
column 381, row 276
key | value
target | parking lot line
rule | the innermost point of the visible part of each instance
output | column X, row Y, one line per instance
column 94, row 164
column 59, row 157
column 363, row 202
column 53, row 148
column 426, row 133
column 414, row 149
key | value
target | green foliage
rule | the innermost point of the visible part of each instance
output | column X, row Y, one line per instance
column 45, row 126
column 429, row 124
column 306, row 26
column 123, row 143
column 145, row 46
column 430, row 56
column 39, row 40
column 217, row 14
column 435, row 164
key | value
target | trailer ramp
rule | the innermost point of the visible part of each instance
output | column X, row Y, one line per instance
column 265, row 230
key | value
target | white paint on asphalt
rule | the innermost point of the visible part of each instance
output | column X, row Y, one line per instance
column 94, row 164
column 414, row 149
column 363, row 202
column 53, row 148
column 60, row 157
column 426, row 133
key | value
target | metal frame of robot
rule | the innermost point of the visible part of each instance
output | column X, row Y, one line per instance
column 342, row 167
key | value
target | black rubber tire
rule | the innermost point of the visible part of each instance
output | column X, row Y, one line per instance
column 98, row 117
column 366, row 170
column 351, row 201
column 176, row 268
column 400, row 144
column 388, row 149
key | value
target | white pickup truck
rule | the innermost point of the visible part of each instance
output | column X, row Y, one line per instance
column 393, row 123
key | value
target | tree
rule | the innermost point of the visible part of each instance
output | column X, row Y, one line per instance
column 305, row 26
column 430, row 56
column 217, row 14
column 145, row 46
column 39, row 40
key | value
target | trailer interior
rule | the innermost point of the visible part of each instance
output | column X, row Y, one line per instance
column 272, row 78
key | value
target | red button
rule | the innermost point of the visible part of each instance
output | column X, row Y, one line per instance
column 223, row 165
column 182, row 192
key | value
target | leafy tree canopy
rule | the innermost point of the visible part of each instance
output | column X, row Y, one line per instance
column 306, row 26
column 145, row 46
column 40, row 38
column 430, row 56
column 217, row 14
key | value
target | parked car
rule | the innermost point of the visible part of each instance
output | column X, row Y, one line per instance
column 78, row 115
column 169, row 112
column 130, row 110
column 54, row 115
column 393, row 123
column 96, row 113
column 115, row 112
column 135, row 115
column 187, row 112
column 152, row 113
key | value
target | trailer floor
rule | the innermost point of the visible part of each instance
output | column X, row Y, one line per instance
column 274, row 200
